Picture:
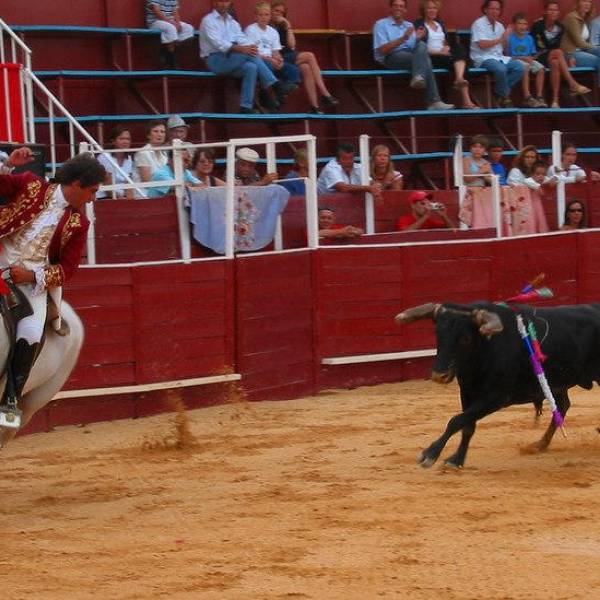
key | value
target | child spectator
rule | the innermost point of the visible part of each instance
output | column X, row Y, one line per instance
column 522, row 47
column 117, row 164
column 382, row 169
column 475, row 163
column 164, row 16
column 425, row 214
column 495, row 151
column 329, row 229
column 539, row 176
column 266, row 39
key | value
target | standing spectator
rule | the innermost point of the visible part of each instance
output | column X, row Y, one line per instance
column 475, row 166
column 575, row 217
column 576, row 38
column 488, row 37
column 397, row 45
column 523, row 165
column 382, row 169
column 568, row 171
column 297, row 187
column 424, row 214
column 547, row 34
column 495, row 151
column 341, row 174
column 118, row 165
column 227, row 52
column 203, row 165
column 329, row 229
column 245, row 169
column 164, row 16
column 266, row 39
column 148, row 159
column 442, row 54
column 522, row 48
column 177, row 129
column 306, row 61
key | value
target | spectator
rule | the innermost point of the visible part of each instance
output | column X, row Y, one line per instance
column 329, row 229
column 342, row 174
column 475, row 164
column 168, row 172
column 575, row 217
column 425, row 214
column 118, row 165
column 397, row 45
column 547, row 34
column 245, row 169
column 523, row 165
column 164, row 16
column 488, row 37
column 495, row 151
column 539, row 176
column 300, row 169
column 382, row 169
column 442, row 54
column 5, row 168
column 203, row 164
column 227, row 52
column 569, row 172
column 177, row 129
column 576, row 38
column 306, row 61
column 522, row 48
column 148, row 160
column 266, row 39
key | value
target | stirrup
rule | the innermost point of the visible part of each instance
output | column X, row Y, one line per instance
column 10, row 415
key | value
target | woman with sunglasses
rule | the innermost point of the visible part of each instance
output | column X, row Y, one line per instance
column 575, row 217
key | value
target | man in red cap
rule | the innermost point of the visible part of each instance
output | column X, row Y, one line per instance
column 425, row 214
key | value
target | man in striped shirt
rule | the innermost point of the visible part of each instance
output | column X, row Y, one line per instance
column 164, row 16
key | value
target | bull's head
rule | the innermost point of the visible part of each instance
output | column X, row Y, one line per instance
column 454, row 331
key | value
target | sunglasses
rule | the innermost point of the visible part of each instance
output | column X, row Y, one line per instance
column 575, row 210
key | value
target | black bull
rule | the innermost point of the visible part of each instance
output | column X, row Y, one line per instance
column 479, row 344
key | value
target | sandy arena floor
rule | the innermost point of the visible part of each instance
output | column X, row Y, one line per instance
column 318, row 498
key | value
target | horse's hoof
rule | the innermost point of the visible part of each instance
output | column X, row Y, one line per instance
column 426, row 461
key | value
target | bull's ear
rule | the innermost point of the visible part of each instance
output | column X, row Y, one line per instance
column 489, row 322
column 424, row 311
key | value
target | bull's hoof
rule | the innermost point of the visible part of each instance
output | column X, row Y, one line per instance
column 451, row 465
column 426, row 461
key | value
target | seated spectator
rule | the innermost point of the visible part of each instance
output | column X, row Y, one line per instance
column 444, row 55
column 425, row 214
column 475, row 164
column 177, row 129
column 523, row 165
column 227, row 52
column 168, row 172
column 547, row 34
column 488, row 37
column 266, row 39
column 147, row 160
column 245, row 169
column 495, row 151
column 202, row 166
column 576, row 42
column 569, row 172
column 306, row 61
column 397, row 45
column 575, row 217
column 329, row 229
column 300, row 169
column 342, row 174
column 382, row 169
column 522, row 48
column 118, row 165
column 164, row 16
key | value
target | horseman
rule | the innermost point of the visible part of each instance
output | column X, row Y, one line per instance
column 43, row 231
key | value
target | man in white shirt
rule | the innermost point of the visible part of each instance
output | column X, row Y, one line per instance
column 341, row 174
column 396, row 45
column 488, row 37
column 227, row 51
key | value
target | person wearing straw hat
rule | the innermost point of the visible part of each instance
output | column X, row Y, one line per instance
column 177, row 128
column 245, row 169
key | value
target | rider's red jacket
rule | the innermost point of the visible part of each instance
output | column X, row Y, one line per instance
column 26, row 196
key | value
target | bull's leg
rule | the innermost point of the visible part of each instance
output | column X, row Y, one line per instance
column 457, row 460
column 563, row 404
column 466, row 419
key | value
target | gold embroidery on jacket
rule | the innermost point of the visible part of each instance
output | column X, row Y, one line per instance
column 23, row 204
column 54, row 276
column 73, row 223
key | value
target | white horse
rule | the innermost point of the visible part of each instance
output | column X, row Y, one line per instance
column 50, row 371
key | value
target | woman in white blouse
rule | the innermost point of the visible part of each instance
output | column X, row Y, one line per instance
column 443, row 56
column 148, row 160
column 118, row 165
column 522, row 169
column 569, row 172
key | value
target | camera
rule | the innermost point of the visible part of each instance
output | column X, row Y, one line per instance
column 436, row 206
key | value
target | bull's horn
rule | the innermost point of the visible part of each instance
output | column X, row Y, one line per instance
column 424, row 311
column 489, row 322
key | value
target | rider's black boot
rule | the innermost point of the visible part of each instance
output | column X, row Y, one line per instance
column 21, row 363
